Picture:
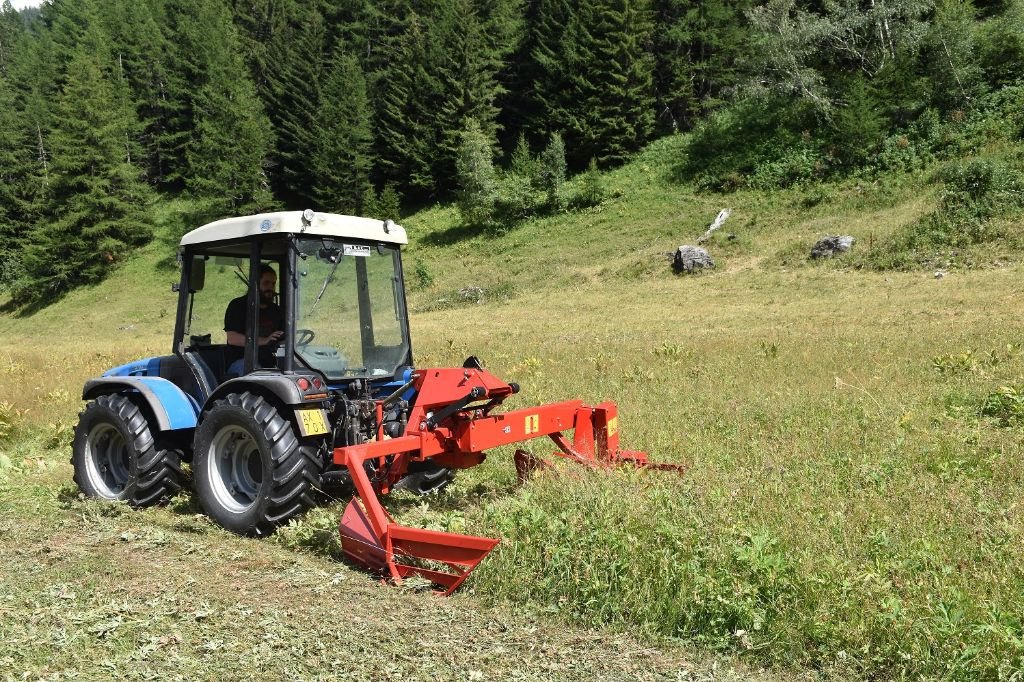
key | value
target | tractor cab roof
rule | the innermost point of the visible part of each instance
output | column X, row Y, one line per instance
column 307, row 222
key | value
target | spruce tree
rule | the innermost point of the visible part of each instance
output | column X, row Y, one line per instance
column 594, row 76
column 552, row 173
column 27, row 81
column 138, row 31
column 10, row 125
column 477, row 37
column 618, row 96
column 699, row 51
column 99, row 205
column 389, row 203
column 293, row 94
column 407, row 94
column 341, row 158
column 230, row 137
column 477, row 182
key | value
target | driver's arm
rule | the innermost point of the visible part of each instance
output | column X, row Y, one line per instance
column 238, row 338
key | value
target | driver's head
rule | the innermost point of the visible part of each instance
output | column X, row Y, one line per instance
column 268, row 284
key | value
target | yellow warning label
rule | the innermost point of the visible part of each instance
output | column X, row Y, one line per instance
column 613, row 426
column 532, row 423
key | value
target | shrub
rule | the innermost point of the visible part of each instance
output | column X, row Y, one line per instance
column 1005, row 405
column 591, row 190
column 517, row 199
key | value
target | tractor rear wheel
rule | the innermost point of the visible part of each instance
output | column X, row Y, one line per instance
column 251, row 472
column 115, row 456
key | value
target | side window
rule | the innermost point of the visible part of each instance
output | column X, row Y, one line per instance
column 383, row 283
column 226, row 279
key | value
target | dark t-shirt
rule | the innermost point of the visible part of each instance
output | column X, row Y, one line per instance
column 271, row 320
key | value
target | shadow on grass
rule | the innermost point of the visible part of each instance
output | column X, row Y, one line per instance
column 460, row 233
column 21, row 310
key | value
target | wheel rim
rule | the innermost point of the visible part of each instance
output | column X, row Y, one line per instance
column 107, row 463
column 236, row 469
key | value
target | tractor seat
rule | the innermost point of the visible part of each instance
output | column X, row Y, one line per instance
column 209, row 360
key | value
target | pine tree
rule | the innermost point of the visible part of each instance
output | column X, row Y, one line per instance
column 230, row 136
column 699, row 50
column 594, row 76
column 477, row 182
column 293, row 96
column 407, row 93
column 99, row 205
column 341, row 159
column 477, row 37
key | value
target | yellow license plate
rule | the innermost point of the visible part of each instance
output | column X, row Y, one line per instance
column 312, row 422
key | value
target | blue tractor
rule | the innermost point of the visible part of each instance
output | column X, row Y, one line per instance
column 260, row 386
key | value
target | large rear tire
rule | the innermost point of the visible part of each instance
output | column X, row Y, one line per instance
column 251, row 473
column 115, row 456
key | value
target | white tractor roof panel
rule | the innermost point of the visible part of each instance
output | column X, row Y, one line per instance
column 323, row 225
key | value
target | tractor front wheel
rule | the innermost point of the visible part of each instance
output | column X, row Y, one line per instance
column 251, row 472
column 116, row 458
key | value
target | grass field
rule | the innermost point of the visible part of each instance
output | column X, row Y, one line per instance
column 851, row 506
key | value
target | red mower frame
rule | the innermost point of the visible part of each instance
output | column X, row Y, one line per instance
column 451, row 423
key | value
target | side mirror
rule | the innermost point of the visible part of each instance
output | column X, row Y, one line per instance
column 197, row 273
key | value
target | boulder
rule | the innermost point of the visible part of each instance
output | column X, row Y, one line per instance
column 690, row 259
column 831, row 245
column 472, row 294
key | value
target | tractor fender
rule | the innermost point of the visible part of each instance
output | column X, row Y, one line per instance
column 172, row 408
column 274, row 384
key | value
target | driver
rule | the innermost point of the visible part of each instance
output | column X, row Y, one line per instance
column 269, row 330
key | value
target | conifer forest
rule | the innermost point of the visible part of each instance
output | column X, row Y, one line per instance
column 240, row 106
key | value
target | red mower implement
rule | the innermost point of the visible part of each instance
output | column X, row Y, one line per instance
column 452, row 423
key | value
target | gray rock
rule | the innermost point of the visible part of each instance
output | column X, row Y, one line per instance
column 690, row 259
column 831, row 245
column 473, row 294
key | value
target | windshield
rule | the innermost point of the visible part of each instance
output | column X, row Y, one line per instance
column 351, row 319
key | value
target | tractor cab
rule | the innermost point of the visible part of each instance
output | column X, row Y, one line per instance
column 335, row 310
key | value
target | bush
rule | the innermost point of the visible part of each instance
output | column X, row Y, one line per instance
column 975, row 193
column 1005, row 405
column 763, row 141
column 590, row 190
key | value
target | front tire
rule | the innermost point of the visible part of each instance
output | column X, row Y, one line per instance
column 115, row 456
column 251, row 473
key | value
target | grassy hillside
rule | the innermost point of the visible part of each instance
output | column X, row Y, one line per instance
column 853, row 437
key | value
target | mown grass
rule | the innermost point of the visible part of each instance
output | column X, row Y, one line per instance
column 851, row 505
column 100, row 592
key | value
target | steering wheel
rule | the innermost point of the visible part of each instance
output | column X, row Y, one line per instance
column 303, row 337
